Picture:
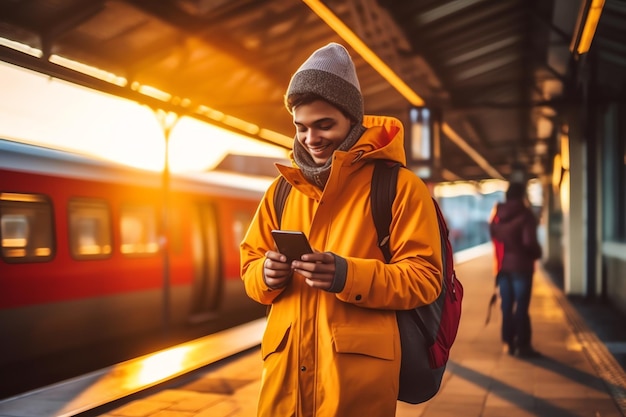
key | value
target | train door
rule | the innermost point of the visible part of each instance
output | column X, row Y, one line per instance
column 207, row 286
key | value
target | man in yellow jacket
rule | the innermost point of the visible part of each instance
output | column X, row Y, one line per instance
column 331, row 347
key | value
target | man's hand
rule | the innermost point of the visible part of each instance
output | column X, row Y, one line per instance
column 276, row 271
column 317, row 268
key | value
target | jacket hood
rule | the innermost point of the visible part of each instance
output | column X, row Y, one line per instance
column 384, row 139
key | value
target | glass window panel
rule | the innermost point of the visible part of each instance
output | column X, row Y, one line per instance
column 138, row 230
column 26, row 227
column 90, row 229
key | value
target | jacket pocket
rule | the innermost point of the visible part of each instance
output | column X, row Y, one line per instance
column 378, row 344
column 274, row 340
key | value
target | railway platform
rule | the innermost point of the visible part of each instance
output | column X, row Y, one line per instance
column 576, row 375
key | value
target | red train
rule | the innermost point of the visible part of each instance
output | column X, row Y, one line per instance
column 89, row 255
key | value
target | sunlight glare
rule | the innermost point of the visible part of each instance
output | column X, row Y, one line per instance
column 161, row 365
column 51, row 112
column 199, row 146
column 47, row 111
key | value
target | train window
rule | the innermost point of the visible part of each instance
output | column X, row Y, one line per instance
column 26, row 227
column 138, row 229
column 90, row 229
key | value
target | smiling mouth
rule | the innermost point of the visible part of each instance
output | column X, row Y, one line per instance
column 319, row 149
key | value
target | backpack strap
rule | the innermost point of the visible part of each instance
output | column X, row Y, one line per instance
column 384, row 185
column 382, row 194
column 280, row 197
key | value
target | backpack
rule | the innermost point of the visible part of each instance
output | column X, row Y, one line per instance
column 427, row 332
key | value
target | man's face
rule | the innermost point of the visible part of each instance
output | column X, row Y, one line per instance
column 320, row 129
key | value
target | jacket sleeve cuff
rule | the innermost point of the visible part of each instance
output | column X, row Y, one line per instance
column 341, row 270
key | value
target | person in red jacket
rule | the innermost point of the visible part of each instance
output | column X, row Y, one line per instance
column 514, row 231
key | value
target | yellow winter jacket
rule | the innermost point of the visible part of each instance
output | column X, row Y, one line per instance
column 338, row 354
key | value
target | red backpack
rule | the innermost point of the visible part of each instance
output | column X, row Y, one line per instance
column 428, row 332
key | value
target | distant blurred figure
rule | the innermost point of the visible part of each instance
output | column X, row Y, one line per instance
column 514, row 231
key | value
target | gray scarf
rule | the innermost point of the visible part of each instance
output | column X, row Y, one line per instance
column 318, row 175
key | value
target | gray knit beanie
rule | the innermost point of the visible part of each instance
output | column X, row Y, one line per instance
column 329, row 72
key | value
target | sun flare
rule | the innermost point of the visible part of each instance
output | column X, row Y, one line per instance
column 46, row 111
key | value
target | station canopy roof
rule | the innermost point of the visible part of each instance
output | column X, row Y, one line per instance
column 498, row 71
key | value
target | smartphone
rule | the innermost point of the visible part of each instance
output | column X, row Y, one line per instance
column 292, row 244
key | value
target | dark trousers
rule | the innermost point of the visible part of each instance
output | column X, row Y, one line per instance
column 515, row 291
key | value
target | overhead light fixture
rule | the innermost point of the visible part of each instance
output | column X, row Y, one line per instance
column 88, row 70
column 557, row 172
column 151, row 91
column 588, row 18
column 564, row 151
column 22, row 47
